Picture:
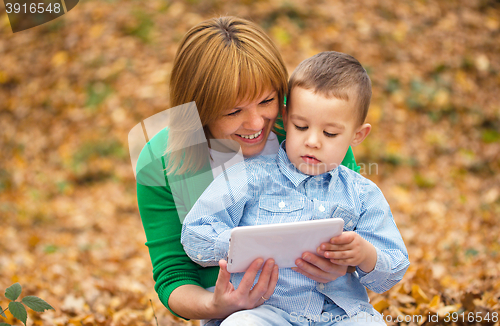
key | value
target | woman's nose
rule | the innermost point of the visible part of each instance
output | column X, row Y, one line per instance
column 254, row 119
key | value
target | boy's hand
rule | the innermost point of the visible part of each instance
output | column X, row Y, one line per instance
column 318, row 268
column 350, row 248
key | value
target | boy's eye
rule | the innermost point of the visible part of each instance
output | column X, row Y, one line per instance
column 300, row 128
column 234, row 113
column 327, row 134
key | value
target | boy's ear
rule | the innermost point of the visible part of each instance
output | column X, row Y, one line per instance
column 361, row 134
column 284, row 116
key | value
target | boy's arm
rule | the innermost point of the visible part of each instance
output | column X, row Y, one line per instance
column 375, row 246
column 207, row 227
column 377, row 226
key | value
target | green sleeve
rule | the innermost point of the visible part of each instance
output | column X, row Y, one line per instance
column 348, row 161
column 171, row 266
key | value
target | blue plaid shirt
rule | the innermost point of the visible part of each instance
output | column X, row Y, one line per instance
column 269, row 189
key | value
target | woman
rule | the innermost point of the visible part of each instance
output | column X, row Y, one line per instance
column 233, row 75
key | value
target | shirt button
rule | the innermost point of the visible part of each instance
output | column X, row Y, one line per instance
column 321, row 208
column 321, row 286
column 282, row 204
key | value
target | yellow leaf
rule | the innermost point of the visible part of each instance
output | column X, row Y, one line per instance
column 462, row 79
column 400, row 31
column 395, row 312
column 436, row 300
column 60, row 58
column 492, row 23
column 398, row 98
column 3, row 77
column 441, row 98
column 448, row 281
column 482, row 62
column 281, row 35
column 404, row 298
column 381, row 305
column 5, row 22
column 33, row 240
column 393, row 147
column 96, row 30
column 374, row 114
column 418, row 294
column 447, row 310
column 405, row 287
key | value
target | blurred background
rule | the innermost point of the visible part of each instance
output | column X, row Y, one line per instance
column 72, row 89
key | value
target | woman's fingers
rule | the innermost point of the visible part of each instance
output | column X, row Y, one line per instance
column 272, row 283
column 249, row 277
column 223, row 279
column 263, row 283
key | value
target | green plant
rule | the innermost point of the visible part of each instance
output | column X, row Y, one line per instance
column 17, row 308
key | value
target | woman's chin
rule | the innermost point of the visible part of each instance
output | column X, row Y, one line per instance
column 252, row 150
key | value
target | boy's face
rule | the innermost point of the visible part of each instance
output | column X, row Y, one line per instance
column 319, row 131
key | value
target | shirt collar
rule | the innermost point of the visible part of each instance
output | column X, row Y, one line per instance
column 290, row 171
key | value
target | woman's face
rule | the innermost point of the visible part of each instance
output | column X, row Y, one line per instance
column 249, row 123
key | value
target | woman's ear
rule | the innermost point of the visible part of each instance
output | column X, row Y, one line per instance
column 361, row 134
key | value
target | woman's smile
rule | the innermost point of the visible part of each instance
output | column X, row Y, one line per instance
column 251, row 137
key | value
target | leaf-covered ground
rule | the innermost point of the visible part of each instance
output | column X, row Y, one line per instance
column 71, row 90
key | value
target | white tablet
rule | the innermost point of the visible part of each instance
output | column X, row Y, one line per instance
column 283, row 242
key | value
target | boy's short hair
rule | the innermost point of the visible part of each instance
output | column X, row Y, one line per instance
column 334, row 74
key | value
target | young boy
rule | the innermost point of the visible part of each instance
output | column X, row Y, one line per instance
column 328, row 99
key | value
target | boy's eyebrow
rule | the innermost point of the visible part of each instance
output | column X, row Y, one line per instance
column 336, row 125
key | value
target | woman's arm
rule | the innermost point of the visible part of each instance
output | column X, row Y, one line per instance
column 171, row 267
column 180, row 283
column 177, row 278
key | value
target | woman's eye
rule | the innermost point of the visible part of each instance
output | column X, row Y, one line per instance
column 267, row 101
column 327, row 134
column 300, row 128
column 233, row 113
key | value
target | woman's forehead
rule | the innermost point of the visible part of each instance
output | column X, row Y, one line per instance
column 255, row 96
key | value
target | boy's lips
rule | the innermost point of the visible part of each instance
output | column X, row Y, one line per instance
column 310, row 159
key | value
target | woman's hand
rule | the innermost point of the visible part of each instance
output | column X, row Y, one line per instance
column 318, row 268
column 227, row 300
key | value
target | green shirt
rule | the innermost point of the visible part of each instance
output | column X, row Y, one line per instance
column 160, row 217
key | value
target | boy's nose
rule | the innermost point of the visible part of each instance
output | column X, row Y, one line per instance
column 312, row 140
